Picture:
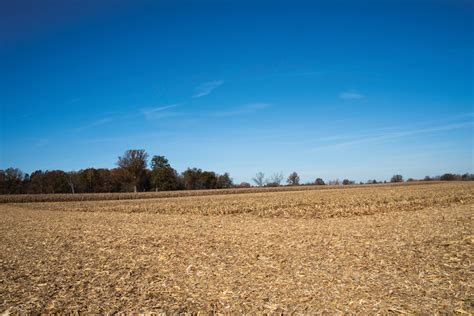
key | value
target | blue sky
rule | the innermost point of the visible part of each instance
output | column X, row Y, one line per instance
column 333, row 89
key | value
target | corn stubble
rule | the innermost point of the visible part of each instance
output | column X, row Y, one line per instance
column 25, row 198
column 381, row 249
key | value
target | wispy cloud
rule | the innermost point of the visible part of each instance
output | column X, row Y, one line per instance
column 244, row 109
column 160, row 115
column 206, row 88
column 388, row 136
column 161, row 112
column 151, row 113
column 148, row 111
column 99, row 122
column 351, row 95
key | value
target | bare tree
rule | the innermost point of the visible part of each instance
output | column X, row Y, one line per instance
column 134, row 162
column 293, row 179
column 275, row 179
column 71, row 178
column 259, row 179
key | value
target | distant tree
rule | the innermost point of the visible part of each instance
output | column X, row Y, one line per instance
column 3, row 188
column 293, row 179
column 396, row 178
column 55, row 181
column 12, row 180
column 120, row 180
column 427, row 178
column 192, row 179
column 162, row 176
column 86, row 180
column 134, row 161
column 198, row 179
column 145, row 181
column 159, row 162
column 208, row 180
column 275, row 180
column 224, row 181
column 104, row 180
column 467, row 177
column 319, row 181
column 259, row 179
column 72, row 180
column 35, row 184
column 347, row 182
column 410, row 180
column 164, row 179
column 450, row 177
column 131, row 174
column 90, row 180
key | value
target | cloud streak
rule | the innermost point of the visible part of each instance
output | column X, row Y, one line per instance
column 160, row 112
column 158, row 109
column 397, row 135
column 206, row 88
column 151, row 113
column 99, row 122
column 351, row 95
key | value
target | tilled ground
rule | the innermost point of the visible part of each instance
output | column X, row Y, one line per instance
column 396, row 261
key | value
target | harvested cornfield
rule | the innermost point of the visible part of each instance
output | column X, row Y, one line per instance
column 308, row 203
column 26, row 198
column 382, row 249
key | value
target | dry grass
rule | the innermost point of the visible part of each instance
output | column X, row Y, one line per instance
column 279, row 252
column 27, row 198
column 308, row 203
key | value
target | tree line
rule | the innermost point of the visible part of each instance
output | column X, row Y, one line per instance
column 293, row 179
column 133, row 174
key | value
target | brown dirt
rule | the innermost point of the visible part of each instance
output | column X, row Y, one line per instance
column 63, row 260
